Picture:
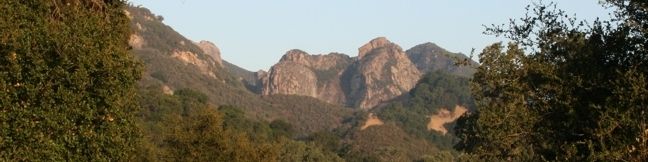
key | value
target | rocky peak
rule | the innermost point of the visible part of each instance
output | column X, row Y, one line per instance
column 375, row 43
column 294, row 55
column 430, row 57
column 300, row 73
column 261, row 73
column 429, row 46
column 210, row 49
column 315, row 62
column 382, row 72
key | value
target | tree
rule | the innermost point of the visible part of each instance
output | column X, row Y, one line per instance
column 578, row 93
column 281, row 128
column 185, row 127
column 67, row 81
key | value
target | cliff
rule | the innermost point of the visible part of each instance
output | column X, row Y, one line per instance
column 381, row 72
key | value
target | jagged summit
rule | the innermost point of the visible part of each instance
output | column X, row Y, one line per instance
column 429, row 45
column 294, row 55
column 376, row 43
column 381, row 72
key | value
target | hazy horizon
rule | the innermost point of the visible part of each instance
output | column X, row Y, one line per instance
column 255, row 34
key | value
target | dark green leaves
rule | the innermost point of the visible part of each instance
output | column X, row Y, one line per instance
column 67, row 81
column 576, row 94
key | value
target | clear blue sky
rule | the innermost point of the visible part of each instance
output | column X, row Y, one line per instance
column 255, row 34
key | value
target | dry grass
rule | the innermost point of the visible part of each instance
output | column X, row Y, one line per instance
column 372, row 120
column 444, row 116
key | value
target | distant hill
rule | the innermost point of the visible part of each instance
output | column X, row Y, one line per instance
column 174, row 62
column 429, row 57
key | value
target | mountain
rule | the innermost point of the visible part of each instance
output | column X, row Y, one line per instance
column 299, row 73
column 210, row 49
column 173, row 62
column 429, row 57
column 380, row 73
column 251, row 80
column 371, row 107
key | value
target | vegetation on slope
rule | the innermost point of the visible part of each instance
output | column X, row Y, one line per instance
column 385, row 143
column 306, row 114
column 429, row 57
column 435, row 91
column 185, row 127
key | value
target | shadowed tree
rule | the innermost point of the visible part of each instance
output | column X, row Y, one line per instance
column 578, row 93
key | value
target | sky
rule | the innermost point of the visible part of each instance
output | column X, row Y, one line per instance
column 254, row 34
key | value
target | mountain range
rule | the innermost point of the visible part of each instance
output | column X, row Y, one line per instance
column 313, row 92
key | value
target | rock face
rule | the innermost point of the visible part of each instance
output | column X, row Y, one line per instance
column 210, row 49
column 429, row 57
column 204, row 66
column 381, row 72
column 299, row 73
column 373, row 44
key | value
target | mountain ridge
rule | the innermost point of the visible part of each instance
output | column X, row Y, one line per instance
column 380, row 72
column 326, row 93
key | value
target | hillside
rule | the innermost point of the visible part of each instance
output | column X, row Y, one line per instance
column 173, row 62
column 429, row 57
column 303, row 96
column 427, row 111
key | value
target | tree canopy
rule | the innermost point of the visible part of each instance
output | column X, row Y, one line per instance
column 563, row 89
column 66, row 81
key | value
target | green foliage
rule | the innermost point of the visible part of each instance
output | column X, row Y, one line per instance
column 327, row 140
column 160, row 76
column 440, row 156
column 66, row 81
column 300, row 151
column 235, row 119
column 307, row 114
column 579, row 94
column 434, row 91
column 384, row 143
column 508, row 124
column 281, row 128
column 185, row 127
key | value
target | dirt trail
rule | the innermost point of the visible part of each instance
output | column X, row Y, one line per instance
column 372, row 120
column 444, row 116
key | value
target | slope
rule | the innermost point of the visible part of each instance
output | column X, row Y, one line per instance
column 173, row 62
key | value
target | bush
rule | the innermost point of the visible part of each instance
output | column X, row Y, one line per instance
column 67, row 81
